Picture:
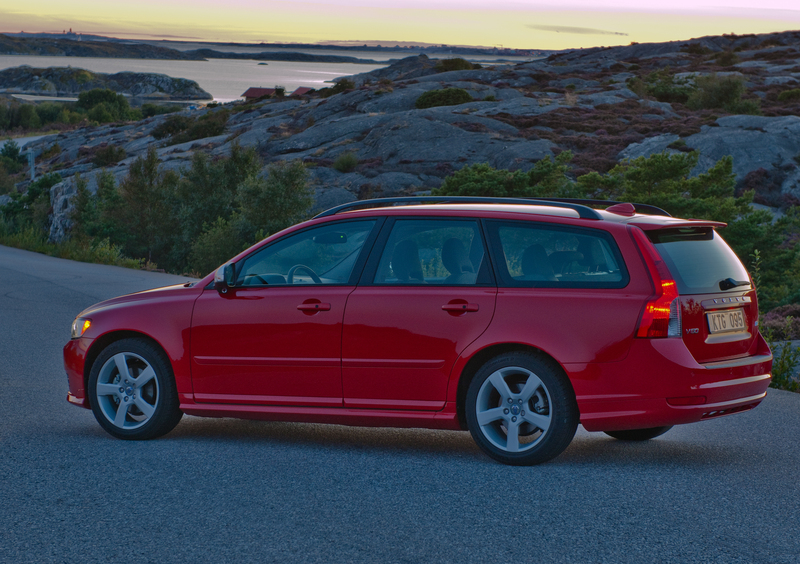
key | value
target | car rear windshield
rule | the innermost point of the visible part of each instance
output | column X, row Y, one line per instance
column 700, row 261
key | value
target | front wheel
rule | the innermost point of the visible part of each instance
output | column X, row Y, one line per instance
column 521, row 409
column 132, row 391
column 639, row 434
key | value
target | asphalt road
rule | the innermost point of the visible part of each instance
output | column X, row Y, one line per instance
column 721, row 491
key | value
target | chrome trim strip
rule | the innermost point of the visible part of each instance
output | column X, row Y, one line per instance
column 728, row 302
column 707, row 407
column 733, row 402
column 737, row 382
column 746, row 361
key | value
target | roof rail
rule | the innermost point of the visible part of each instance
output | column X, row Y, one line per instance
column 646, row 208
column 584, row 211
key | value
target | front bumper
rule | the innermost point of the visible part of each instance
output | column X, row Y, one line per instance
column 74, row 362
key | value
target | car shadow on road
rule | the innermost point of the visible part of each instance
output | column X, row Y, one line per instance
column 594, row 448
column 597, row 448
column 339, row 437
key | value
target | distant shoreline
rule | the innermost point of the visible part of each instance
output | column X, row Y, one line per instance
column 178, row 46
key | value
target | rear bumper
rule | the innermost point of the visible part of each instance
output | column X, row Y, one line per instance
column 659, row 384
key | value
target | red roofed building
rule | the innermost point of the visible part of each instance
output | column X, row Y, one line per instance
column 254, row 93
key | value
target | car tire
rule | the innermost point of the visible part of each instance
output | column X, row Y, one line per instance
column 521, row 409
column 639, row 434
column 132, row 391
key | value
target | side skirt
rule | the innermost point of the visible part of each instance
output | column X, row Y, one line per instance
column 444, row 419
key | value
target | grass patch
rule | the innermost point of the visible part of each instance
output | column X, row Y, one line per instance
column 789, row 95
column 346, row 162
column 99, row 252
column 443, row 97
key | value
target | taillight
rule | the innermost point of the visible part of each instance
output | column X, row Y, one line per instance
column 661, row 316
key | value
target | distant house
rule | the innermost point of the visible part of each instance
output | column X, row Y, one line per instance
column 254, row 93
column 302, row 90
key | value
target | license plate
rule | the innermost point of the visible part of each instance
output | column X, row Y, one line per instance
column 725, row 321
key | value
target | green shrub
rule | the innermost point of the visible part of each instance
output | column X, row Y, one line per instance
column 171, row 126
column 48, row 112
column 150, row 110
column 104, row 105
column 270, row 204
column 107, row 155
column 11, row 151
column 51, row 151
column 726, row 59
column 346, row 162
column 6, row 182
column 444, row 97
column 31, row 209
column 664, row 87
column 219, row 242
column 786, row 356
column 789, row 95
column 191, row 221
column 342, row 85
column 455, row 64
column 783, row 322
column 208, row 125
column 723, row 92
column 101, row 113
column 91, row 98
column 695, row 49
column 27, row 118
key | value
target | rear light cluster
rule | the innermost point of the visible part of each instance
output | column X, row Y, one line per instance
column 662, row 314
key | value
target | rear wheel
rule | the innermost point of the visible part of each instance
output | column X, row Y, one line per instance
column 639, row 434
column 132, row 391
column 521, row 409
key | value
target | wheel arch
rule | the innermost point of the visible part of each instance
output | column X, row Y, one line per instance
column 483, row 356
column 107, row 339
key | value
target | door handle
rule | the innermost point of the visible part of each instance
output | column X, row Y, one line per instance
column 460, row 308
column 314, row 307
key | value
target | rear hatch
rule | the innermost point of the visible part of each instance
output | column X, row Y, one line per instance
column 719, row 310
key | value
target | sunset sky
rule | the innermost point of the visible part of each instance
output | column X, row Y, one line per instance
column 526, row 24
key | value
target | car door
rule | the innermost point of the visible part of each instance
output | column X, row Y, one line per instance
column 274, row 337
column 426, row 294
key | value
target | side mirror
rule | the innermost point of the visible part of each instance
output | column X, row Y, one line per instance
column 224, row 278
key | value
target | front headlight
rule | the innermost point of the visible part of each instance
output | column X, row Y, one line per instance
column 79, row 326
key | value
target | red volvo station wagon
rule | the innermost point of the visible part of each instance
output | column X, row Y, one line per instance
column 514, row 319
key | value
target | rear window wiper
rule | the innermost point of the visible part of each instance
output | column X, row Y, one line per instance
column 729, row 283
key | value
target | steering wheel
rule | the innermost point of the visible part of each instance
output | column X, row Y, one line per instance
column 295, row 268
column 248, row 279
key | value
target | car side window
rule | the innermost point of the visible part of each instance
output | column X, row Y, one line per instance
column 320, row 255
column 556, row 256
column 432, row 251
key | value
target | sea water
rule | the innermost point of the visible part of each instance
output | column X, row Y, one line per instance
column 224, row 79
column 227, row 79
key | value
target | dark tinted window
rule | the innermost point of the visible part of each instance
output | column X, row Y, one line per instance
column 553, row 256
column 699, row 260
column 320, row 255
column 433, row 251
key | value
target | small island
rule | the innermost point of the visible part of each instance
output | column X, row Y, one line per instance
column 68, row 82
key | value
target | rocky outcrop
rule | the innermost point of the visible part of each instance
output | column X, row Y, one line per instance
column 583, row 101
column 69, row 82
